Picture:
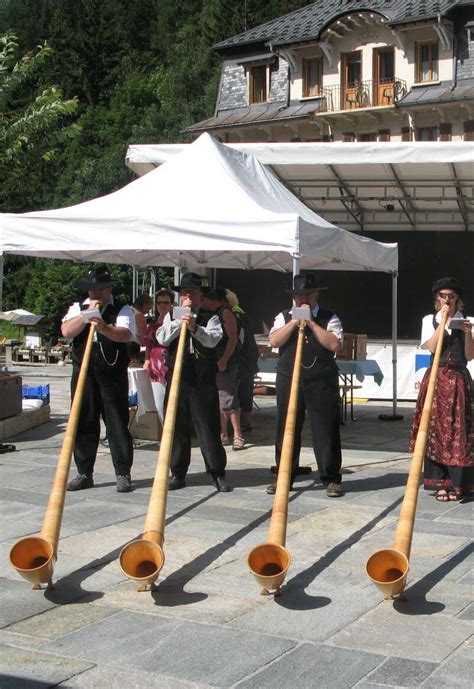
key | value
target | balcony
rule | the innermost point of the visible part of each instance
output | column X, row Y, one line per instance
column 362, row 94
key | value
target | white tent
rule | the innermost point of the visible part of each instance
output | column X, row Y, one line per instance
column 209, row 206
column 20, row 317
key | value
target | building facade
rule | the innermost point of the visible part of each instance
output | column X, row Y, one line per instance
column 348, row 70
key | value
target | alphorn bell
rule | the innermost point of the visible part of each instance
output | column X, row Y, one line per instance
column 34, row 557
column 388, row 568
column 143, row 558
column 269, row 562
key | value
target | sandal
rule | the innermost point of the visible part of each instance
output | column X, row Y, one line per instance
column 238, row 443
column 442, row 495
column 452, row 496
column 6, row 448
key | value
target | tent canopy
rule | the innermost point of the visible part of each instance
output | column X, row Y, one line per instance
column 209, row 206
column 363, row 187
column 20, row 317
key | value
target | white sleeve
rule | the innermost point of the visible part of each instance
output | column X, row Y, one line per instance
column 335, row 326
column 73, row 311
column 126, row 319
column 167, row 332
column 209, row 335
column 427, row 330
column 278, row 323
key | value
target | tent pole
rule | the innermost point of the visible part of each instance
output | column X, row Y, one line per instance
column 394, row 416
column 2, row 262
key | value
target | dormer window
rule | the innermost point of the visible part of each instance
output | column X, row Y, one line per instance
column 258, row 84
column 312, row 76
column 426, row 62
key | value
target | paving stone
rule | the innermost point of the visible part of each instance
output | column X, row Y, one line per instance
column 156, row 644
column 403, row 630
column 309, row 666
column 31, row 669
column 111, row 678
column 61, row 620
column 402, row 672
column 456, row 673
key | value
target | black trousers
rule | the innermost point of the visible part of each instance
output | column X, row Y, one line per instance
column 198, row 407
column 319, row 397
column 106, row 393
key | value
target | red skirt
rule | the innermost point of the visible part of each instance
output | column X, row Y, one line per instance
column 449, row 453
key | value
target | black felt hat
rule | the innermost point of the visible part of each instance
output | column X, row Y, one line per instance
column 304, row 284
column 97, row 278
column 189, row 280
column 447, row 283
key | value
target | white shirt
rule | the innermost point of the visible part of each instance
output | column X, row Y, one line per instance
column 208, row 335
column 125, row 317
column 427, row 328
column 334, row 325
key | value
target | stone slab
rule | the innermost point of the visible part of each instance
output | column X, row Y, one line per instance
column 310, row 666
column 402, row 672
column 32, row 669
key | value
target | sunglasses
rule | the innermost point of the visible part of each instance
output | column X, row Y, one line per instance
column 447, row 295
column 163, row 302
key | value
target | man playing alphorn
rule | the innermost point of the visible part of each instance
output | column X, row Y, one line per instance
column 198, row 402
column 319, row 387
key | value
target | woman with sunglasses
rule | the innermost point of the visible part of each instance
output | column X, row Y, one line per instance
column 449, row 455
column 155, row 354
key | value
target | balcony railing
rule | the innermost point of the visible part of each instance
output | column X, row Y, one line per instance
column 362, row 94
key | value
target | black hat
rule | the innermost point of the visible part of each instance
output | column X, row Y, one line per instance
column 447, row 283
column 97, row 278
column 189, row 280
column 304, row 284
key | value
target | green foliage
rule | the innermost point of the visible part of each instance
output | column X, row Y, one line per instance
column 127, row 73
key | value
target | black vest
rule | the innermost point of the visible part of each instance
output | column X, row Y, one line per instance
column 106, row 354
column 200, row 364
column 452, row 350
column 314, row 354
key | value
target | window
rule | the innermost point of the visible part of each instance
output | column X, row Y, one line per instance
column 445, row 131
column 427, row 134
column 372, row 136
column 258, row 84
column 469, row 130
column 407, row 134
column 384, row 134
column 312, row 77
column 348, row 136
column 426, row 62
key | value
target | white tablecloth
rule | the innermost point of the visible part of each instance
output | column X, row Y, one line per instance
column 139, row 382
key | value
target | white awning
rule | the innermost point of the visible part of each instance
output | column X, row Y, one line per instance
column 363, row 187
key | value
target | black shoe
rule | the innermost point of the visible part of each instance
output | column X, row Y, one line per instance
column 124, row 484
column 81, row 482
column 221, row 484
column 176, row 482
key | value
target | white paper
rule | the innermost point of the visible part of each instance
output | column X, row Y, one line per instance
column 87, row 314
column 457, row 323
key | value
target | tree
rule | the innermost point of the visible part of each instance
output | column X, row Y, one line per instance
column 32, row 125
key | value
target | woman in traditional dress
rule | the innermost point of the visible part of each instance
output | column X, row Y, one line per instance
column 155, row 354
column 449, row 455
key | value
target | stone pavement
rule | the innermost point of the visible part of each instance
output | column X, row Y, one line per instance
column 207, row 625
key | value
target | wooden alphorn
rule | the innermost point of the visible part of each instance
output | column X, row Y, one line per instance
column 34, row 557
column 388, row 568
column 143, row 559
column 269, row 562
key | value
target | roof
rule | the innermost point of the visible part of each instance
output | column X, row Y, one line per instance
column 307, row 23
column 438, row 93
column 269, row 112
column 365, row 187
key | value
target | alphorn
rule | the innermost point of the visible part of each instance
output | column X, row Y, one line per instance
column 269, row 562
column 388, row 568
column 34, row 557
column 143, row 559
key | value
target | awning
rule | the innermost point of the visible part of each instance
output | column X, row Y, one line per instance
column 363, row 187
